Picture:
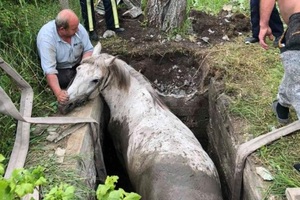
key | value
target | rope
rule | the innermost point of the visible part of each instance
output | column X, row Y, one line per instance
column 20, row 149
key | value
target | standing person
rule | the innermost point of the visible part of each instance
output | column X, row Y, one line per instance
column 289, row 89
column 275, row 23
column 62, row 43
column 89, row 18
column 111, row 16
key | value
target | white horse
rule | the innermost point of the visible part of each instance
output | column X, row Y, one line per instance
column 163, row 158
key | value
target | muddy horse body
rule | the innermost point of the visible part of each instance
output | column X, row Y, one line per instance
column 163, row 158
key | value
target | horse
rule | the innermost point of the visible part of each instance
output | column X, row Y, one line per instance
column 163, row 158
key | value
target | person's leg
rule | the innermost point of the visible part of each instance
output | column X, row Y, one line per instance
column 275, row 23
column 84, row 4
column 65, row 76
column 84, row 15
column 254, row 6
column 109, row 19
column 282, row 103
column 92, row 21
column 289, row 90
column 254, row 14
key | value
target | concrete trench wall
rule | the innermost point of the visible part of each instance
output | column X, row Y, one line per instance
column 79, row 153
column 224, row 138
column 80, row 143
column 192, row 110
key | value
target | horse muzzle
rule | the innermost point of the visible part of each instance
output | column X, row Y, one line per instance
column 69, row 106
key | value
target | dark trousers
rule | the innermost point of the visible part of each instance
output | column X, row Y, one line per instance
column 109, row 18
column 275, row 22
column 84, row 13
column 65, row 77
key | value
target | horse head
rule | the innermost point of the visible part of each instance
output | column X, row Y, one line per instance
column 90, row 75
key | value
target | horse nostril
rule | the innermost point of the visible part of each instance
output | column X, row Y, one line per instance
column 65, row 108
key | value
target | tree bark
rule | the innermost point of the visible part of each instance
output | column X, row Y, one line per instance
column 166, row 14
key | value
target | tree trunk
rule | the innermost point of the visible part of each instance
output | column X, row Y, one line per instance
column 166, row 14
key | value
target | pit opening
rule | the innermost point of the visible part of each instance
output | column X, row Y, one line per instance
column 181, row 80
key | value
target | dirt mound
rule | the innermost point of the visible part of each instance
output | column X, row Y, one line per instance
column 169, row 62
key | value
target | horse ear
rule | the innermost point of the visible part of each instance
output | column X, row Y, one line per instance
column 109, row 61
column 97, row 49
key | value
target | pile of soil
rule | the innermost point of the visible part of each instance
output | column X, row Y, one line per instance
column 170, row 70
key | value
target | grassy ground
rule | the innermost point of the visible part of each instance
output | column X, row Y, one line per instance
column 252, row 76
column 17, row 47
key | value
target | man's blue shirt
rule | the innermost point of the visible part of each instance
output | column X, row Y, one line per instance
column 58, row 54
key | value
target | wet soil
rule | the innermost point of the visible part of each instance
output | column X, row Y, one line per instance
column 172, row 62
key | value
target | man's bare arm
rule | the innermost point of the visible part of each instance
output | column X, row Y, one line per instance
column 87, row 54
column 61, row 95
column 266, row 7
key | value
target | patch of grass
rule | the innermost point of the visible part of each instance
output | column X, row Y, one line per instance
column 214, row 7
column 252, row 76
column 43, row 154
column 18, row 48
column 280, row 157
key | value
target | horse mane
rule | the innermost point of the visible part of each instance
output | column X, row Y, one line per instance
column 120, row 75
column 122, row 65
column 121, row 72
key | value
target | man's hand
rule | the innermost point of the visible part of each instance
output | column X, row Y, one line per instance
column 62, row 97
column 263, row 33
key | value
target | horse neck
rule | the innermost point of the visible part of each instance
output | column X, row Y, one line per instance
column 136, row 100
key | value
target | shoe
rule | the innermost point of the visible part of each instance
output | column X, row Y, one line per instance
column 251, row 40
column 94, row 36
column 117, row 30
column 281, row 112
column 276, row 42
column 297, row 166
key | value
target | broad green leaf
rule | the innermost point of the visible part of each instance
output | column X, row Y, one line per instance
column 41, row 181
column 132, row 196
column 69, row 191
column 110, row 181
column 23, row 189
column 5, row 192
column 2, row 158
column 115, row 195
column 102, row 191
column 1, row 170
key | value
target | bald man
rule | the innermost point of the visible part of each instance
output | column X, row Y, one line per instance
column 289, row 89
column 62, row 43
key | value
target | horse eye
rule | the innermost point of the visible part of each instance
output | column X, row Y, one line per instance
column 95, row 81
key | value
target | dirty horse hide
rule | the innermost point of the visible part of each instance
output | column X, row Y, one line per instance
column 163, row 158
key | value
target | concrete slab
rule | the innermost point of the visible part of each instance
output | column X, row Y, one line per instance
column 81, row 144
column 79, row 148
column 292, row 193
column 225, row 135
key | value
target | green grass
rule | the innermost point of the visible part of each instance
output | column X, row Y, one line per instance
column 252, row 77
column 55, row 173
column 214, row 7
column 18, row 48
column 20, row 22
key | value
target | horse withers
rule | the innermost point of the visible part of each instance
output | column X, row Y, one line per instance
column 163, row 158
